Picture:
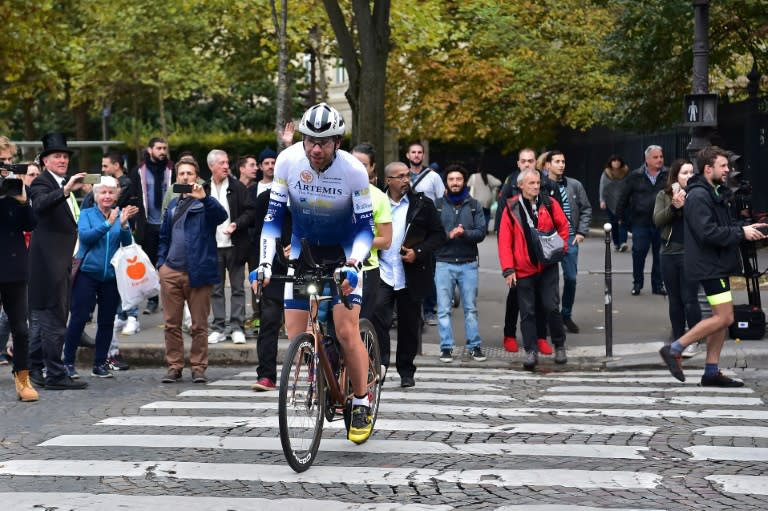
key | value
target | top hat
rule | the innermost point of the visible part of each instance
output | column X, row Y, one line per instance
column 55, row 143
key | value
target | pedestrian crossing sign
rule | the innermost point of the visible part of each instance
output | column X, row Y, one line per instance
column 700, row 110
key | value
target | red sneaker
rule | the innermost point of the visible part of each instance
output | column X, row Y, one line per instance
column 544, row 347
column 263, row 384
column 510, row 344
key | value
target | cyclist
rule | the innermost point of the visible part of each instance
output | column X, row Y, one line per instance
column 327, row 192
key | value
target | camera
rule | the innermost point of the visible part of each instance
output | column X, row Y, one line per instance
column 14, row 168
column 10, row 186
column 180, row 188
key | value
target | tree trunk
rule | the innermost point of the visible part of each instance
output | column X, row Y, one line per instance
column 161, row 112
column 283, row 114
column 366, row 65
column 29, row 126
column 81, row 133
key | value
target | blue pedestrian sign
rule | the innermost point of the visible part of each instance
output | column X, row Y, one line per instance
column 700, row 110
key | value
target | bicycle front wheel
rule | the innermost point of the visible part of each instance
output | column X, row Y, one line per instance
column 375, row 369
column 301, row 403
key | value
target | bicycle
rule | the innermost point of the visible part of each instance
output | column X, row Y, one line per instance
column 314, row 384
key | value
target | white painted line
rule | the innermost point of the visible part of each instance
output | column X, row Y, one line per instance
column 602, row 389
column 754, row 485
column 34, row 501
column 734, row 431
column 393, row 396
column 331, row 474
column 712, row 452
column 209, row 405
column 566, row 507
column 556, row 428
column 422, row 385
column 645, row 400
column 338, row 445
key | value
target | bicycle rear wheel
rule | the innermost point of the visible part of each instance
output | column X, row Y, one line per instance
column 301, row 404
column 371, row 343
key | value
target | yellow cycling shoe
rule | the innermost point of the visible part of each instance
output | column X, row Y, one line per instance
column 361, row 424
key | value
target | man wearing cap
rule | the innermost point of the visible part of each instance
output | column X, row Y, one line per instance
column 51, row 250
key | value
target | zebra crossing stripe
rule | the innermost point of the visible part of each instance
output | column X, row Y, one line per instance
column 566, row 507
column 423, row 385
column 582, row 479
column 754, row 485
column 646, row 400
column 394, row 396
column 101, row 501
column 714, row 452
column 604, row 389
column 338, row 445
column 734, row 431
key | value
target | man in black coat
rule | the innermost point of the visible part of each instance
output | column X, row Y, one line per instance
column 638, row 198
column 51, row 249
column 712, row 241
column 406, row 269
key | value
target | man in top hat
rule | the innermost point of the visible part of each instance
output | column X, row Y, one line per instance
column 51, row 250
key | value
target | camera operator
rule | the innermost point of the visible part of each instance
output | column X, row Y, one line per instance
column 16, row 217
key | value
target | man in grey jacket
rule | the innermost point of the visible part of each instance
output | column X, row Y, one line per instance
column 457, row 265
column 573, row 198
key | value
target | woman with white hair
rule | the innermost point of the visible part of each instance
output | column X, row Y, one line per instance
column 101, row 230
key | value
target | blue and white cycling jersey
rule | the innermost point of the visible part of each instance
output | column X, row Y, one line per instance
column 329, row 208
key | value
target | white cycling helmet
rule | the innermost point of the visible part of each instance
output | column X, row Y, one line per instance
column 322, row 120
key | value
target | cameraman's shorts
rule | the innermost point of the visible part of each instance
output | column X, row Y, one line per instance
column 718, row 291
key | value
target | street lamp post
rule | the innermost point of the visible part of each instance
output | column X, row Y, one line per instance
column 700, row 85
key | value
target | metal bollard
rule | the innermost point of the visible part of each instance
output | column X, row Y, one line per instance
column 608, row 292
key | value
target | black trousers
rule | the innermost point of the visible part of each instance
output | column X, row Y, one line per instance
column 151, row 244
column 269, row 329
column 546, row 285
column 52, row 324
column 13, row 296
column 408, row 326
column 513, row 310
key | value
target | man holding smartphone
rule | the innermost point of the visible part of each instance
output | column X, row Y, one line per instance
column 188, row 269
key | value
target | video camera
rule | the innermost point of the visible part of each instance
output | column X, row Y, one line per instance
column 11, row 185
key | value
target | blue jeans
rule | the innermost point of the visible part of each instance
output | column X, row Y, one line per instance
column 644, row 238
column 570, row 266
column 85, row 293
column 618, row 231
column 465, row 275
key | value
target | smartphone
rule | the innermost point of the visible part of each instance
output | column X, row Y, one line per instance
column 675, row 187
column 133, row 201
column 92, row 179
column 179, row 188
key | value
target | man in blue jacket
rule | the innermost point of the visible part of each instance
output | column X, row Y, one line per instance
column 457, row 261
column 711, row 256
column 188, row 269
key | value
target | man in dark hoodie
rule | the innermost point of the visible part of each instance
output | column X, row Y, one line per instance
column 149, row 182
column 711, row 256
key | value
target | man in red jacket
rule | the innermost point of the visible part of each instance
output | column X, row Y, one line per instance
column 522, row 269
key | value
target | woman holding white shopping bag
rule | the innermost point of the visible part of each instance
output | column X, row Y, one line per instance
column 101, row 230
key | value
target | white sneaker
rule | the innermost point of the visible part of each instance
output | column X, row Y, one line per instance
column 131, row 326
column 216, row 337
column 238, row 337
column 119, row 323
column 692, row 350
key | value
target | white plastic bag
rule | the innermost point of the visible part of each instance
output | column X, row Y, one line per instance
column 137, row 279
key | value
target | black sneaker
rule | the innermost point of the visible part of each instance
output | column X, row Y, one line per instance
column 674, row 362
column 635, row 291
column 446, row 355
column 101, row 371
column 478, row 355
column 116, row 363
column 152, row 305
column 560, row 356
column 361, row 424
column 660, row 291
column 720, row 380
column 570, row 326
column 37, row 377
column 530, row 360
column 65, row 383
column 172, row 376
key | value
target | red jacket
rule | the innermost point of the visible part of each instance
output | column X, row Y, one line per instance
column 513, row 247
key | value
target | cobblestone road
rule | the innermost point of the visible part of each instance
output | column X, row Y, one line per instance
column 463, row 438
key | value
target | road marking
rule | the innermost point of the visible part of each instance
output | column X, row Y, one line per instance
column 754, row 485
column 571, row 389
column 566, row 507
column 645, row 400
column 394, row 396
column 393, row 407
column 338, row 445
column 98, row 502
column 582, row 479
column 425, row 385
column 712, row 452
column 738, row 431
